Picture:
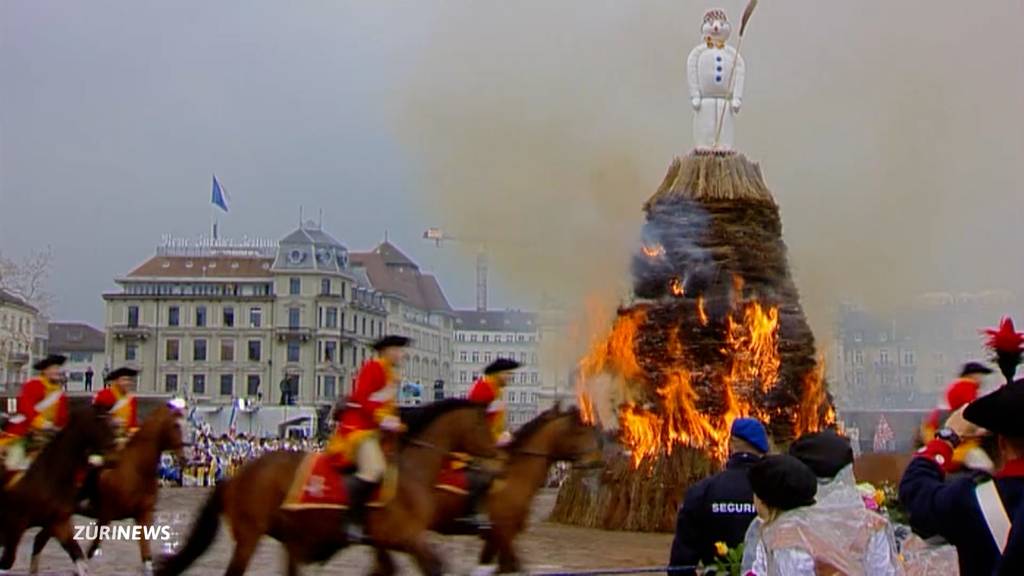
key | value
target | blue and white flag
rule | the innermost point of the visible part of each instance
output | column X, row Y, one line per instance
column 220, row 195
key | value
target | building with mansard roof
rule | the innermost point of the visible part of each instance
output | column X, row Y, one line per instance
column 18, row 320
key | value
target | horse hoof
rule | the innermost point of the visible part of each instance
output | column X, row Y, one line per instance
column 81, row 569
column 98, row 553
column 484, row 570
column 147, row 568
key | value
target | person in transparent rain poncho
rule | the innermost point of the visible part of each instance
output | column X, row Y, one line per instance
column 797, row 534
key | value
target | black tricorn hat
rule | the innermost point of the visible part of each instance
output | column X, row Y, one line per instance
column 1000, row 411
column 781, row 481
column 51, row 360
column 392, row 341
column 974, row 368
column 122, row 373
column 501, row 365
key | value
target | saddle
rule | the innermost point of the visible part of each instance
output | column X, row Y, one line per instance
column 319, row 483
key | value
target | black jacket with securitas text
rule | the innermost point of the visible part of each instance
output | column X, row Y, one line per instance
column 716, row 509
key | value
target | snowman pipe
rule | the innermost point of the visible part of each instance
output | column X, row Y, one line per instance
column 747, row 12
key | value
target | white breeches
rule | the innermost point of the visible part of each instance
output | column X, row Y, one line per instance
column 370, row 462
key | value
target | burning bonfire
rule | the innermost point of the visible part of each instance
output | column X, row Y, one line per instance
column 715, row 332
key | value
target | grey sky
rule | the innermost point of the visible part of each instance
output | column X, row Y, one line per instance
column 890, row 133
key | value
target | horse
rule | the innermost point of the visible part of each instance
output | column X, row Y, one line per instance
column 252, row 499
column 881, row 468
column 47, row 494
column 552, row 436
column 127, row 487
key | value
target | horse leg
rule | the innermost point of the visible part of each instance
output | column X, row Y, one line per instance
column 245, row 546
column 427, row 560
column 145, row 519
column 62, row 532
column 508, row 562
column 291, row 565
column 37, row 549
column 94, row 548
column 383, row 565
column 11, row 545
column 487, row 553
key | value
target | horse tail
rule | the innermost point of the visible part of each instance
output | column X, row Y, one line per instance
column 204, row 530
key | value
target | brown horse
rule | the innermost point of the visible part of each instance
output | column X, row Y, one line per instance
column 47, row 494
column 552, row 436
column 881, row 468
column 252, row 500
column 127, row 487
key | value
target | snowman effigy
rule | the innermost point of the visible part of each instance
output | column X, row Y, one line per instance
column 715, row 73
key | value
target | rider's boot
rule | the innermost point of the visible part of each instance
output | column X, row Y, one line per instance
column 359, row 493
column 477, row 520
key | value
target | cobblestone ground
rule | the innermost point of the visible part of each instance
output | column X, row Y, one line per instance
column 544, row 547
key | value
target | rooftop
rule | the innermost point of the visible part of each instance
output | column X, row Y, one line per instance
column 496, row 320
column 203, row 267
column 75, row 337
column 12, row 300
column 392, row 272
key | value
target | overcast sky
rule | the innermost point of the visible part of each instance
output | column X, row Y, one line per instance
column 890, row 132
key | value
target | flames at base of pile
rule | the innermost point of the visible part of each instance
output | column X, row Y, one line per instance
column 696, row 377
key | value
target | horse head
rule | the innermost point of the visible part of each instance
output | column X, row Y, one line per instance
column 452, row 425
column 170, row 426
column 563, row 436
column 93, row 432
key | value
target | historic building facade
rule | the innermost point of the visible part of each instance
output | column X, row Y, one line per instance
column 86, row 350
column 18, row 349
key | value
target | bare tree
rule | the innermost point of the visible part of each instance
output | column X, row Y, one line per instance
column 28, row 278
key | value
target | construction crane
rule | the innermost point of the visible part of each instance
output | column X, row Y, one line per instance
column 437, row 236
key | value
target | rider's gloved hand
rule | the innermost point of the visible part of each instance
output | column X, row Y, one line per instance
column 505, row 439
column 391, row 424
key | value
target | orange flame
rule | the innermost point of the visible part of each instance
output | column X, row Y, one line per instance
column 814, row 397
column 653, row 251
column 702, row 316
column 655, row 421
column 676, row 285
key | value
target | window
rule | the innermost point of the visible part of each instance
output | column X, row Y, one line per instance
column 330, row 387
column 295, row 286
column 463, row 356
column 133, row 316
column 858, row 357
column 462, row 376
column 485, row 338
column 171, row 383
column 522, row 357
column 325, row 286
column 908, row 358
column 200, row 316
column 331, row 318
column 293, row 317
column 229, row 317
column 227, row 350
column 364, row 326
column 487, row 357
column 199, row 384
column 472, row 337
column 533, row 377
column 174, row 317
column 227, row 384
column 255, row 350
column 293, row 351
column 883, row 357
column 255, row 317
column 173, row 350
column 330, row 351
column 199, row 350
column 476, row 357
column 343, row 290
column 252, row 385
column 131, row 351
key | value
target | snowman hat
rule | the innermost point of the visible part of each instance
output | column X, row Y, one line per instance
column 715, row 14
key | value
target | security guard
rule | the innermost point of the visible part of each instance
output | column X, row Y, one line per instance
column 721, row 507
column 978, row 513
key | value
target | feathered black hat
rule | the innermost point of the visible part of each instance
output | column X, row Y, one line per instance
column 122, row 372
column 1000, row 411
column 1007, row 345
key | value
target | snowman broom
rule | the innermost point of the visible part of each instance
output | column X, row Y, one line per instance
column 747, row 12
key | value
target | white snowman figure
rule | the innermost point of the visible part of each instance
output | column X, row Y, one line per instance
column 712, row 68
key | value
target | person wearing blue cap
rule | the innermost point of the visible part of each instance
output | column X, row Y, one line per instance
column 720, row 507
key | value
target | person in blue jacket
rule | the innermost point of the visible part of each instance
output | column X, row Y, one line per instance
column 981, row 515
column 721, row 507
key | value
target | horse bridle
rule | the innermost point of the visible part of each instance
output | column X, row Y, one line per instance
column 574, row 457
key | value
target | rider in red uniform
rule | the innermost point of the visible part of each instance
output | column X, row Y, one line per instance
column 489, row 391
column 119, row 401
column 42, row 407
column 371, row 408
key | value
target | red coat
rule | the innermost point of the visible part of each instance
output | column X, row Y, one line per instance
column 373, row 399
column 488, row 392
column 39, row 402
column 122, row 407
